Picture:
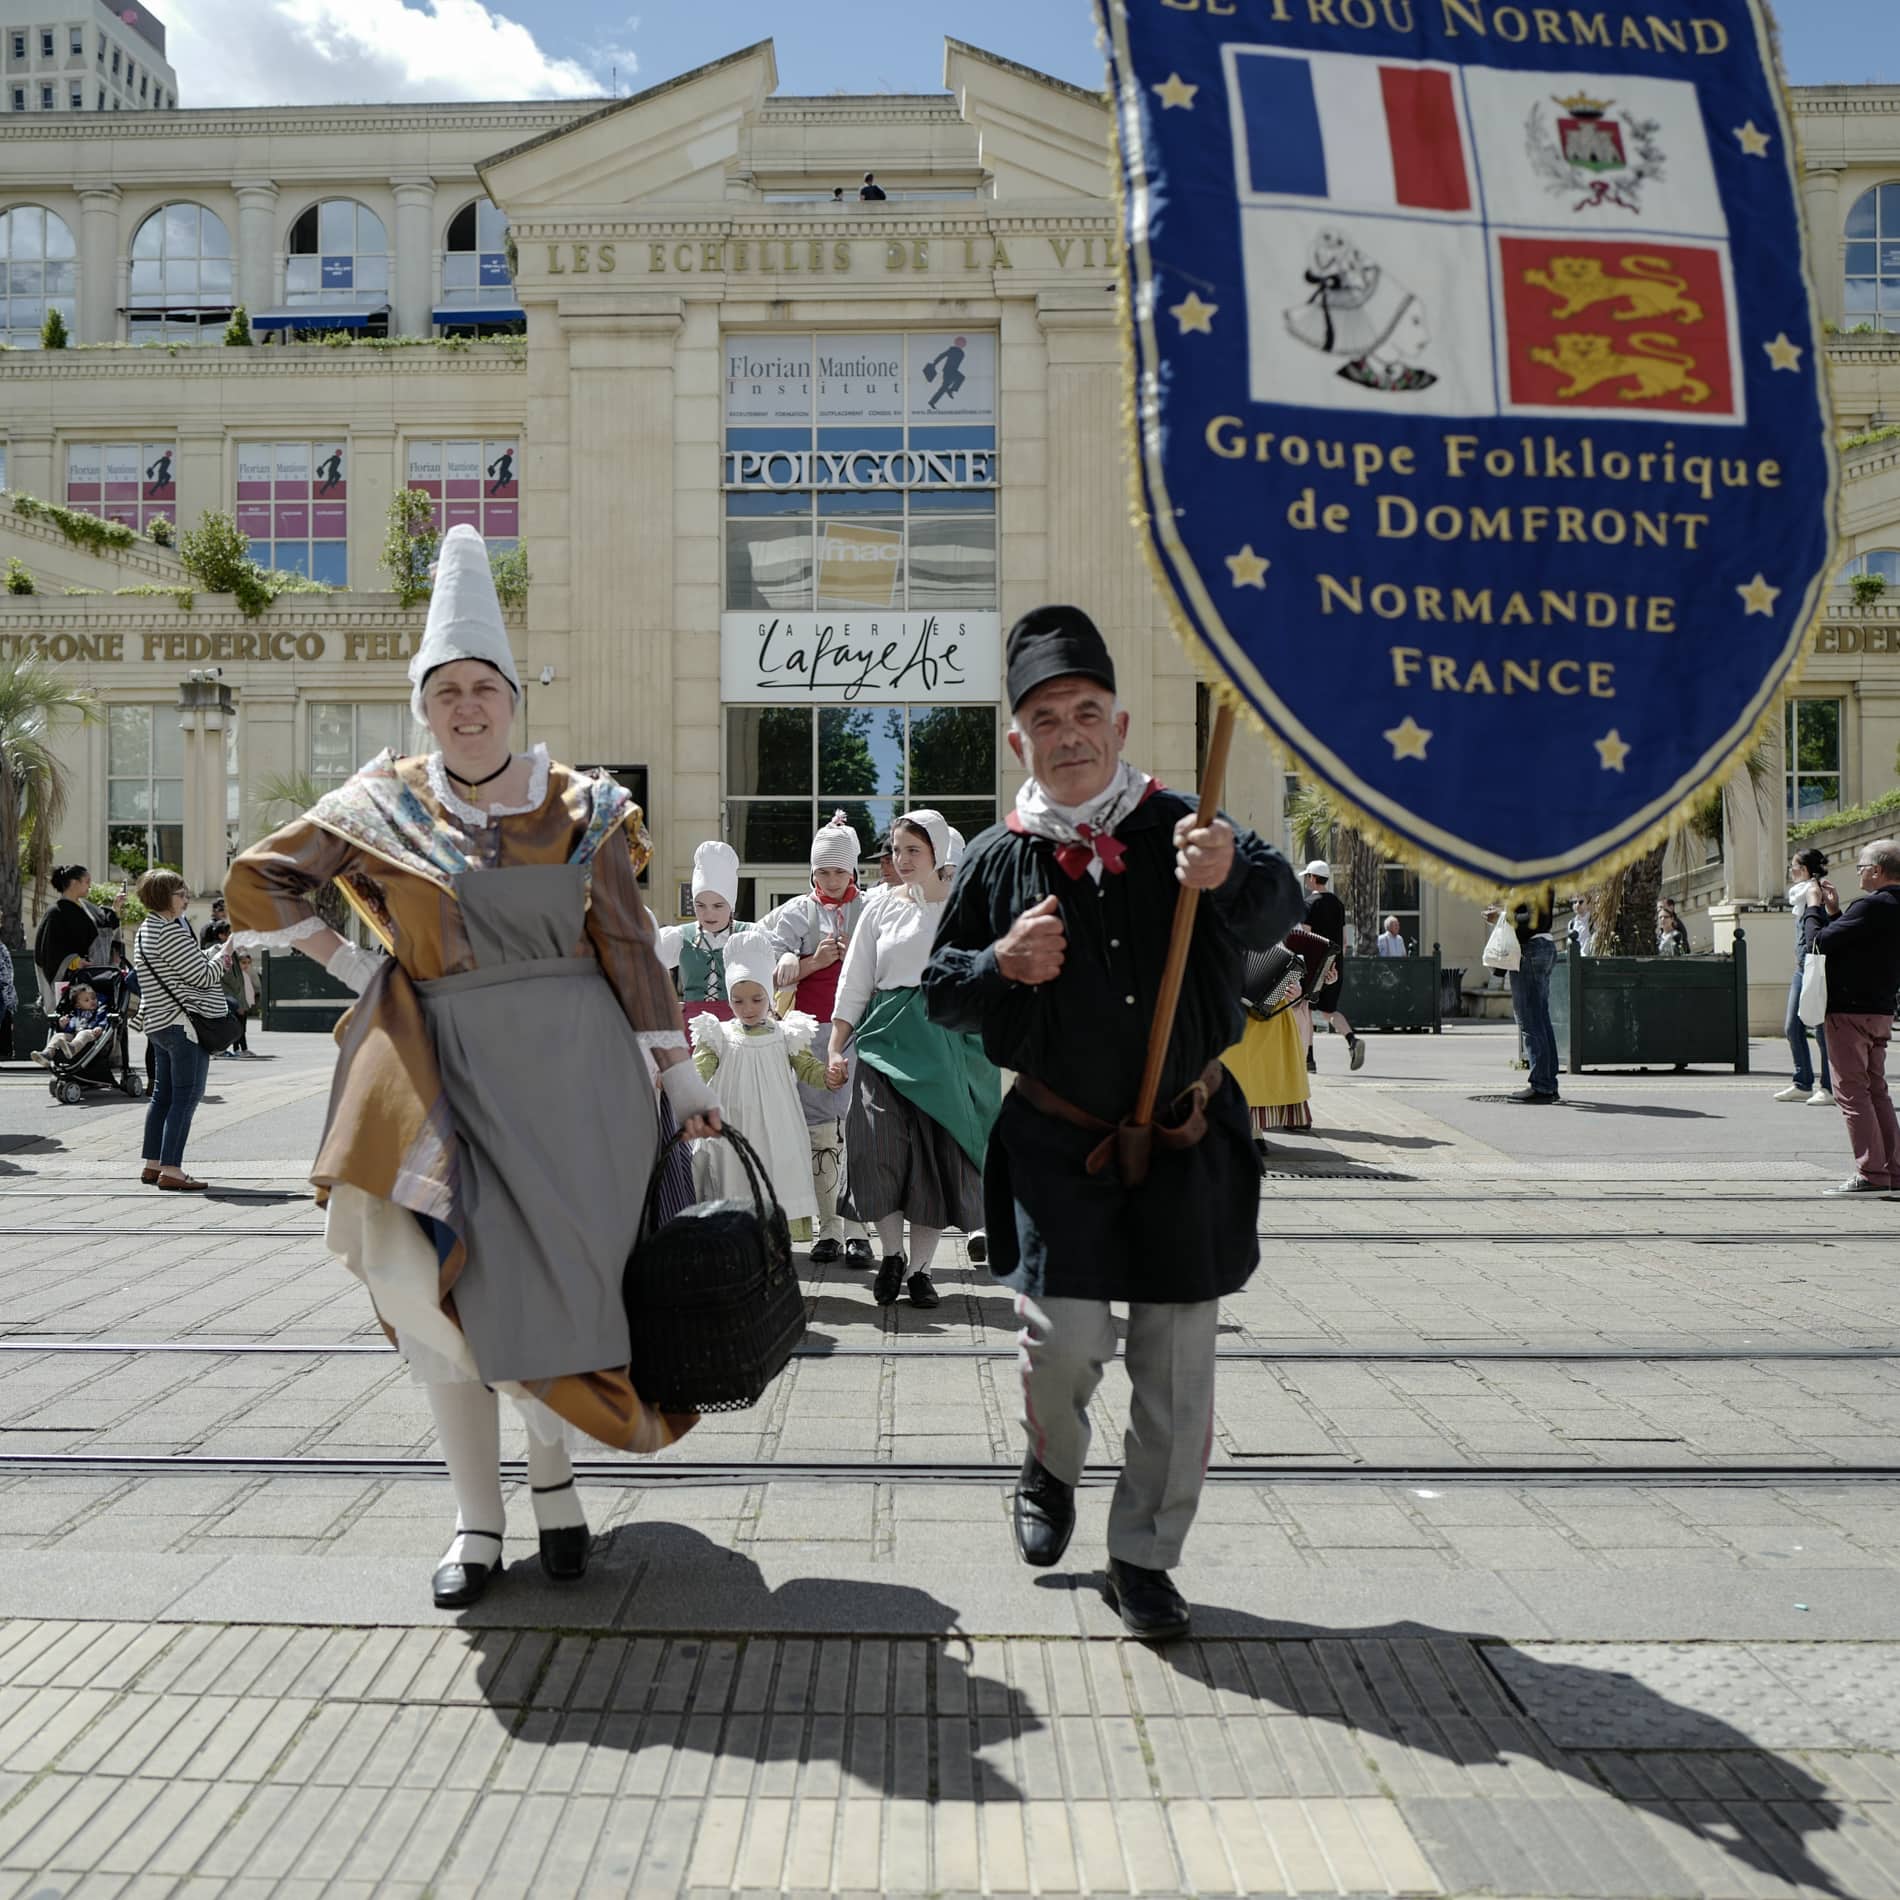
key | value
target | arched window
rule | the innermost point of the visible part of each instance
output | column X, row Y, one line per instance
column 338, row 254
column 1882, row 561
column 38, row 273
column 1873, row 260
column 478, row 290
column 181, row 274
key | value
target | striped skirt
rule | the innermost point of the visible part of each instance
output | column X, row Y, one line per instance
column 898, row 1161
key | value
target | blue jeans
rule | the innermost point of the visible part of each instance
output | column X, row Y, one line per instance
column 1530, row 1004
column 179, row 1069
column 1797, row 1033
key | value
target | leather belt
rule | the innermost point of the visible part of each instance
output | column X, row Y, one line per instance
column 1188, row 1131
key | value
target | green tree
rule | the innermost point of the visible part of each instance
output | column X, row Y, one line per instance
column 237, row 333
column 1357, row 863
column 410, row 541
column 53, row 331
column 36, row 699
column 19, row 577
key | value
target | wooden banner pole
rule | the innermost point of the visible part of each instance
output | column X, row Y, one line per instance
column 1213, row 777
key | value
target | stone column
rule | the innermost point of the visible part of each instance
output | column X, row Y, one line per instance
column 1755, row 859
column 267, row 748
column 204, row 712
column 256, row 243
column 414, row 273
column 98, row 264
column 200, row 473
column 1821, row 191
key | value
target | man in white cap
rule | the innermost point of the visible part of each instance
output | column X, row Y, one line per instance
column 1326, row 917
column 811, row 934
column 698, row 950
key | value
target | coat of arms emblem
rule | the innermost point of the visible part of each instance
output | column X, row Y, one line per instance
column 1593, row 157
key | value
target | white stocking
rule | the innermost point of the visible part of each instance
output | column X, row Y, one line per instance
column 557, row 1505
column 923, row 1246
column 468, row 1427
column 890, row 1233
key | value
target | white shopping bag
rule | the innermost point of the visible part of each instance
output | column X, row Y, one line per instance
column 1501, row 952
column 1812, row 1008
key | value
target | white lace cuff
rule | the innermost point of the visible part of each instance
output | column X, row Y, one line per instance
column 661, row 1038
column 288, row 937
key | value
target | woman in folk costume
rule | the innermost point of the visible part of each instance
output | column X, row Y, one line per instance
column 1269, row 1060
column 926, row 1097
column 698, row 950
column 811, row 934
column 493, row 1124
column 755, row 1065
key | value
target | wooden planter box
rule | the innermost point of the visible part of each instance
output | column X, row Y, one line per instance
column 1651, row 1012
column 1394, row 993
column 297, row 995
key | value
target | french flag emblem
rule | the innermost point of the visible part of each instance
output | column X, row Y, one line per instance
column 1379, row 135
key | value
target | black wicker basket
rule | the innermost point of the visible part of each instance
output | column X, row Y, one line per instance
column 713, row 1302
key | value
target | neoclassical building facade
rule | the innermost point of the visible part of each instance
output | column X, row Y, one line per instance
column 784, row 462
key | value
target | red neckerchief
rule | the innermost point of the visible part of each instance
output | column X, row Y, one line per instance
column 838, row 903
column 1075, row 859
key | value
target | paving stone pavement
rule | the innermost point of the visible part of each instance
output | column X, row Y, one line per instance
column 1469, row 1619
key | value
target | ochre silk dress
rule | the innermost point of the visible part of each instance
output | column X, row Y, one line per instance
column 491, row 1082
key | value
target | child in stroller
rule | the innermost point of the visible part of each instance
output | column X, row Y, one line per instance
column 91, row 1044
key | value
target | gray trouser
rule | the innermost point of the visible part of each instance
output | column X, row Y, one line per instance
column 827, row 1164
column 1061, row 1350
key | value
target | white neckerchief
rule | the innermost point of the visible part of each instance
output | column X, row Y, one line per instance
column 1042, row 817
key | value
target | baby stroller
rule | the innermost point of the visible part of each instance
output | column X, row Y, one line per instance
column 103, row 1058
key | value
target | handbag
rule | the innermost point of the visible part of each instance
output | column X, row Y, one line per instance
column 714, row 1308
column 1812, row 1007
column 213, row 1034
column 1502, row 950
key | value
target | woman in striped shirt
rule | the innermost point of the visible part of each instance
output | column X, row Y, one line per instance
column 174, row 976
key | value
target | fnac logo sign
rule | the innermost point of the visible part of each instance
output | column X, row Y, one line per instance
column 859, row 565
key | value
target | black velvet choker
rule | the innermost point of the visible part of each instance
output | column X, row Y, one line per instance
column 475, row 784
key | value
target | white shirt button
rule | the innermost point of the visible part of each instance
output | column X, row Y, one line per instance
column 1129, row 1000
column 1114, row 943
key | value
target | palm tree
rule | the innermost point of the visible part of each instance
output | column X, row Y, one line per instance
column 36, row 699
column 1358, row 865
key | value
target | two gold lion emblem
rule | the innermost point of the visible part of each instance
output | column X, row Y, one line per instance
column 1648, row 291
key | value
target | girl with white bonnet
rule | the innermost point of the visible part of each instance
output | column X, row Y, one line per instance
column 926, row 1097
column 492, row 1125
column 698, row 950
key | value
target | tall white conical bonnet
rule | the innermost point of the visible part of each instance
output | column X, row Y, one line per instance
column 464, row 616
column 751, row 957
column 716, row 869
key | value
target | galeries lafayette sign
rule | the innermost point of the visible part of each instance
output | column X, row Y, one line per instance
column 863, row 657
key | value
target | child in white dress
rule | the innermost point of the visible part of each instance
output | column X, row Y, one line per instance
column 754, row 1064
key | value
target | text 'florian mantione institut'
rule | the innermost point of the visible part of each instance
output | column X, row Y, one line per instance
column 784, row 463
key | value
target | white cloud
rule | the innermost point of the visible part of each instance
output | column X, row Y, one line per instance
column 327, row 52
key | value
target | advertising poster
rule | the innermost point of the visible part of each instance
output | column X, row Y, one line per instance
column 860, row 380
column 952, row 377
column 768, row 381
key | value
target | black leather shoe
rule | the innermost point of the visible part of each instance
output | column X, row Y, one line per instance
column 890, row 1280
column 827, row 1252
column 456, row 1586
column 564, row 1550
column 1536, row 1098
column 921, row 1292
column 1044, row 1515
column 857, row 1253
column 978, row 1248
column 1152, row 1609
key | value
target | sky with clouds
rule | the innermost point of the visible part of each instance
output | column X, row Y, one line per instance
column 296, row 52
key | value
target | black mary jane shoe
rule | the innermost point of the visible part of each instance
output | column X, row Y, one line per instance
column 456, row 1586
column 827, row 1253
column 564, row 1551
column 857, row 1253
column 1044, row 1515
column 922, row 1292
column 978, row 1248
column 890, row 1280
column 1151, row 1608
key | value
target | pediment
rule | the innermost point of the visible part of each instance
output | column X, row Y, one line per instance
column 1038, row 137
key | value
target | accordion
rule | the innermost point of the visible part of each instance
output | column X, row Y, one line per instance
column 1274, row 980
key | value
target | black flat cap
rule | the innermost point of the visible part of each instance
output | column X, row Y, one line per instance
column 1049, row 643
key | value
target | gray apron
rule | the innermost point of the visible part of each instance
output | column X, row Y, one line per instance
column 556, row 1122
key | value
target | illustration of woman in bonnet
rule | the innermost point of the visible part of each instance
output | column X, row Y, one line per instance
column 1358, row 311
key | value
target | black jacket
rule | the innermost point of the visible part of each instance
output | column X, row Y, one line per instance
column 1862, row 947
column 66, row 931
column 1189, row 1234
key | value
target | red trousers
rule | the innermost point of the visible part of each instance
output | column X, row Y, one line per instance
column 1857, row 1047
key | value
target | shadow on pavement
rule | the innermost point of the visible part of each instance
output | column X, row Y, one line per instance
column 1645, row 1108
column 724, row 1598
column 1327, row 1132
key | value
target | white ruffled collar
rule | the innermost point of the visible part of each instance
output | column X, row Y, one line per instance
column 537, row 756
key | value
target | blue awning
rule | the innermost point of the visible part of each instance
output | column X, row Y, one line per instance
column 465, row 313
column 320, row 316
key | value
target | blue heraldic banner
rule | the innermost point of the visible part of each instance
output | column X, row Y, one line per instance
column 1481, row 410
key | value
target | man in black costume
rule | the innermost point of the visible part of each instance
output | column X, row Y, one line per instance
column 1052, row 946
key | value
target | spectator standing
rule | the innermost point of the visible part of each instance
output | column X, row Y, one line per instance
column 75, row 932
column 871, row 192
column 1391, row 940
column 1530, row 992
column 1805, row 868
column 240, row 993
column 9, row 1004
column 1862, row 947
column 1672, row 934
column 837, row 194
column 1326, row 917
column 175, row 976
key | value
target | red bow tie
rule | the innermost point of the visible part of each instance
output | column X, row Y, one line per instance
column 1075, row 859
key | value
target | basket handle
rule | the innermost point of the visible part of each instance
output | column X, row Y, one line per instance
column 764, row 1196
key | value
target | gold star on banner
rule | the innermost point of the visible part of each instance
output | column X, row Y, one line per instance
column 1175, row 91
column 1758, row 597
column 1782, row 353
column 1248, row 568
column 1755, row 143
column 1409, row 739
column 1612, row 750
column 1192, row 314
